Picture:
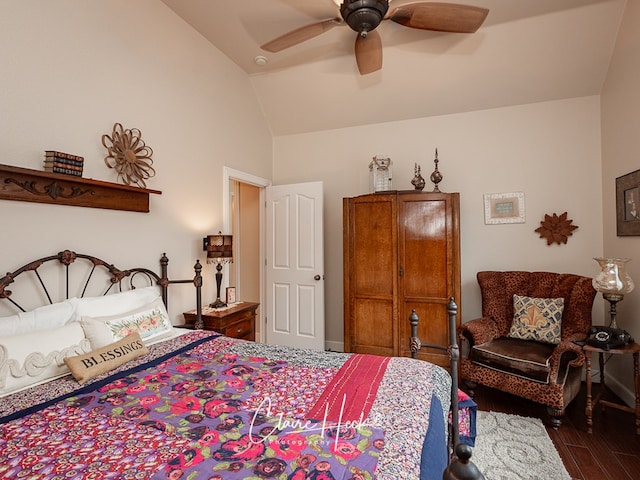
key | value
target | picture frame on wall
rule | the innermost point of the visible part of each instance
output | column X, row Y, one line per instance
column 231, row 295
column 628, row 204
column 500, row 208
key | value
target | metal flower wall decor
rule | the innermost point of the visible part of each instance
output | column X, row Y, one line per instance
column 127, row 153
column 556, row 228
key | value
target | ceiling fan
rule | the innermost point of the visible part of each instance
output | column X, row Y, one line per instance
column 364, row 16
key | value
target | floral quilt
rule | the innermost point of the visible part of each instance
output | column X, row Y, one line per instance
column 209, row 407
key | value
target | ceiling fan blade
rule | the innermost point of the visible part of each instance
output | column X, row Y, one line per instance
column 301, row 34
column 441, row 17
column 369, row 52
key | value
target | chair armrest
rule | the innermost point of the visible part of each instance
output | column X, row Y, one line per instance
column 478, row 331
column 566, row 354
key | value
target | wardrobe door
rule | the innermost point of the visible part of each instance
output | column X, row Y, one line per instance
column 370, row 274
column 429, row 268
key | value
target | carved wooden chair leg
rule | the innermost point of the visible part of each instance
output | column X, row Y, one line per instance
column 555, row 416
column 470, row 387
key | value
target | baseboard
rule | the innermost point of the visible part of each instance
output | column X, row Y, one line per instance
column 625, row 394
column 334, row 346
column 617, row 387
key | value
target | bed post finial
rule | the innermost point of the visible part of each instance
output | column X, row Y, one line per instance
column 197, row 281
column 414, row 342
column 164, row 262
column 164, row 280
column 461, row 468
column 454, row 351
column 452, row 310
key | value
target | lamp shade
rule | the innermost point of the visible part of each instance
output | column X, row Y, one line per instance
column 218, row 247
column 613, row 277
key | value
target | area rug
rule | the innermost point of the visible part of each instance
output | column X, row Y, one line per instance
column 510, row 447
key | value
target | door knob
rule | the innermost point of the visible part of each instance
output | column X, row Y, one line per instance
column 317, row 277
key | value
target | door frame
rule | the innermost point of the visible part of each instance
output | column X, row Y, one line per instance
column 229, row 174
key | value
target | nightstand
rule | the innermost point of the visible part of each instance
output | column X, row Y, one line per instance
column 629, row 349
column 236, row 320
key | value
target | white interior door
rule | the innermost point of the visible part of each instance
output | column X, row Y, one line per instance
column 295, row 266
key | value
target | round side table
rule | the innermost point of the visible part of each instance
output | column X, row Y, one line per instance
column 629, row 349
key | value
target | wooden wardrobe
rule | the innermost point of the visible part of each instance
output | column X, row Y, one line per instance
column 401, row 251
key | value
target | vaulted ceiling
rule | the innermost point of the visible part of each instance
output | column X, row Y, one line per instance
column 526, row 51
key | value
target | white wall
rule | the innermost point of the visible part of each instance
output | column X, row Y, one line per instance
column 550, row 151
column 69, row 70
column 621, row 155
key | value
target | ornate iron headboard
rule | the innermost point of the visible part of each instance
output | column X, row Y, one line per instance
column 116, row 278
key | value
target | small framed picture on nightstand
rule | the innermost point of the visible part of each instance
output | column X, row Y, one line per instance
column 231, row 295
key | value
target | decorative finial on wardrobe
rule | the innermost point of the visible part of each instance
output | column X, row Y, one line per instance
column 436, row 176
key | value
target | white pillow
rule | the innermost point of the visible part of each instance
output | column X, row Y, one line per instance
column 36, row 357
column 46, row 317
column 150, row 321
column 116, row 303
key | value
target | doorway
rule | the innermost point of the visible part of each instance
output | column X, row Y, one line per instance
column 297, row 318
column 244, row 273
column 243, row 196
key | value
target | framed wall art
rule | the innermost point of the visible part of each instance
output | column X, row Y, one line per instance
column 628, row 204
column 231, row 295
column 502, row 208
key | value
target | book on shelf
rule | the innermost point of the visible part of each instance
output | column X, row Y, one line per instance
column 68, row 156
column 49, row 166
column 65, row 161
column 65, row 171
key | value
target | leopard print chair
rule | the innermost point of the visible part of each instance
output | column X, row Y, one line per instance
column 543, row 370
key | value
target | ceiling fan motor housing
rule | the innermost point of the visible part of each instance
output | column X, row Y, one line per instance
column 364, row 15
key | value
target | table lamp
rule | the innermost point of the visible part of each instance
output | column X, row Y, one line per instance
column 219, row 250
column 613, row 282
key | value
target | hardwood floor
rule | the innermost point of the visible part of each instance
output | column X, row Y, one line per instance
column 611, row 452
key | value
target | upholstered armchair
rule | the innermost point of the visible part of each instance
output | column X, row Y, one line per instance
column 528, row 349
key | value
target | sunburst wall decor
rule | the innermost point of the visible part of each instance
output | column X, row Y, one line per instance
column 556, row 228
column 127, row 153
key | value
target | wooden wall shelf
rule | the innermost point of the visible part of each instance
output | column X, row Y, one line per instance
column 27, row 185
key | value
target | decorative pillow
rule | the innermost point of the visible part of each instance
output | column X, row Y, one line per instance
column 46, row 317
column 22, row 364
column 116, row 303
column 150, row 321
column 537, row 319
column 92, row 364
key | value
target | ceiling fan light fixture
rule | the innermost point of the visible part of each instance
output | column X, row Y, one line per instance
column 363, row 15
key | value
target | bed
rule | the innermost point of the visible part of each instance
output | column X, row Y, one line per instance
column 96, row 383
